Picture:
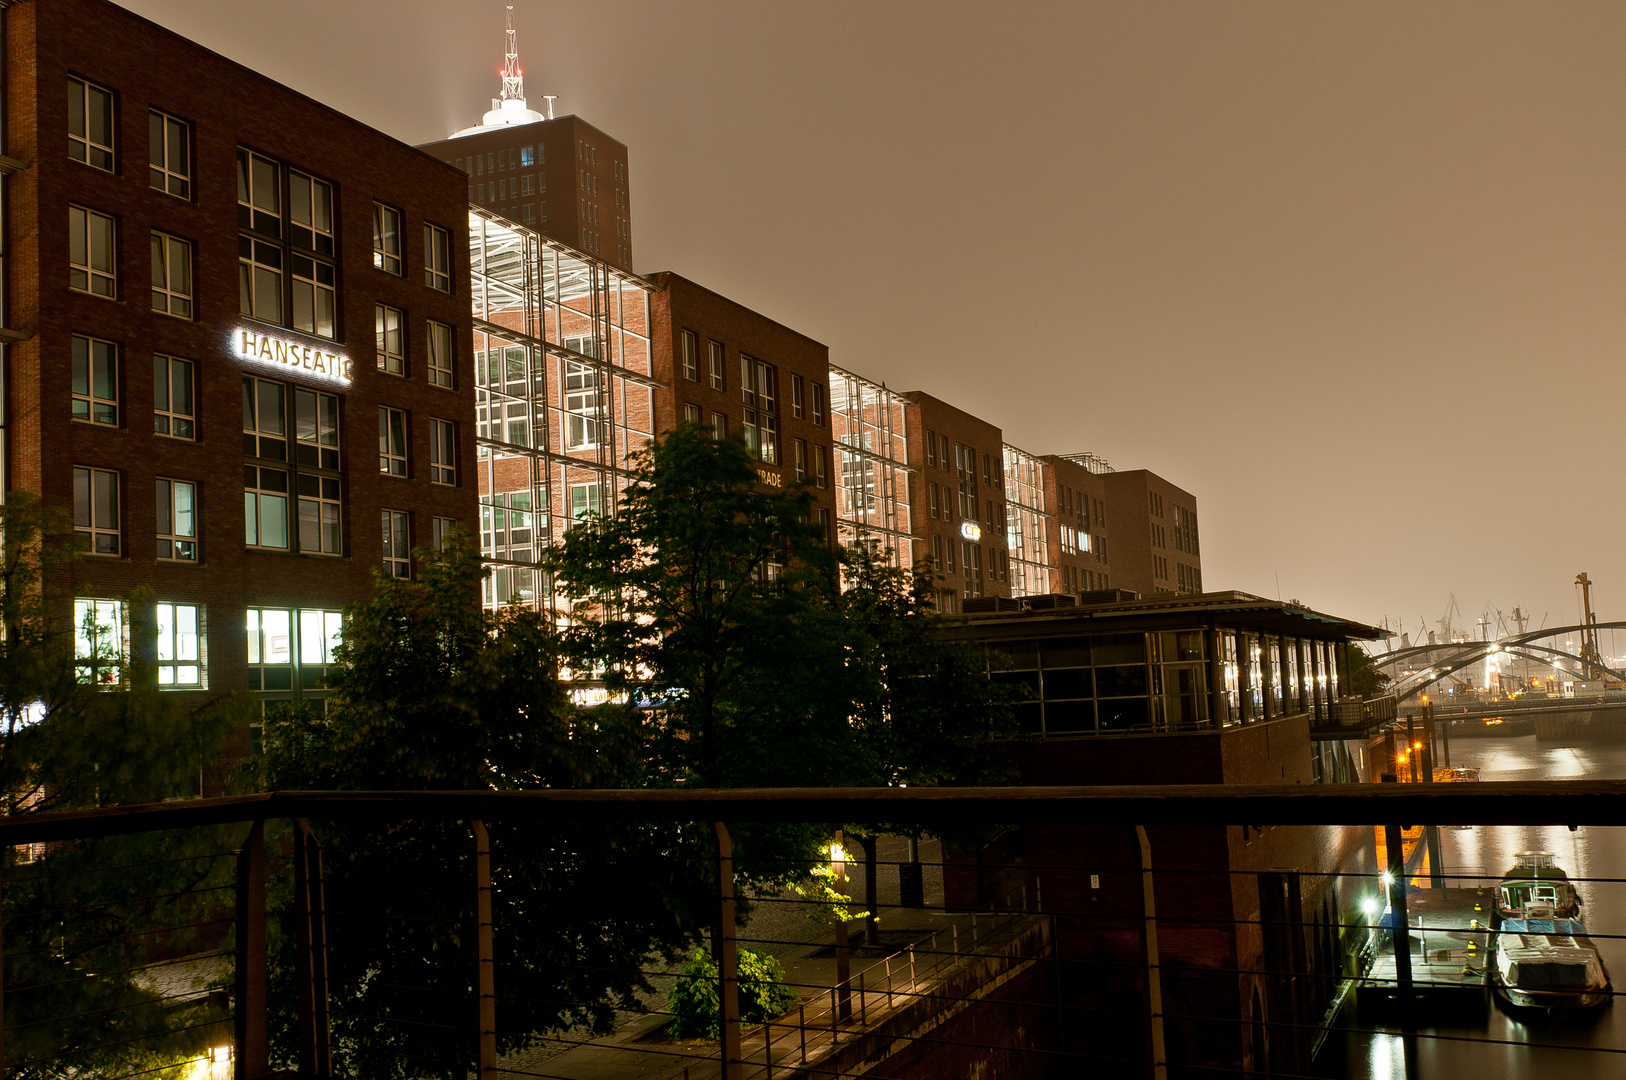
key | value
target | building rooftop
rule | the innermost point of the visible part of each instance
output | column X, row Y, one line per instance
column 1116, row 610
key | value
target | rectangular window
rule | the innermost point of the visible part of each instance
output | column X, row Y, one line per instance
column 820, row 465
column 259, row 279
column 319, row 635
column 818, row 404
column 391, row 326
column 265, row 425
column 171, row 275
column 759, row 391
column 691, row 414
column 718, row 379
column 527, row 156
column 932, row 489
column 583, row 407
column 689, row 351
column 585, row 501
column 387, row 238
column 99, row 646
column 319, row 501
column 437, row 258
column 90, row 124
column 801, row 459
column 316, row 429
column 392, row 441
column 315, row 296
column 180, row 639
column 91, row 252
column 172, row 409
column 310, row 212
column 937, row 551
column 931, row 448
column 177, row 520
column 265, row 507
column 270, row 648
column 259, row 193
column 442, row 452
column 441, row 529
column 719, row 425
column 397, row 548
column 440, row 354
column 95, row 380
column 169, row 154
column 96, row 509
column 796, row 397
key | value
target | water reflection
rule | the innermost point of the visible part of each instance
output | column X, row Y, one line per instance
column 1577, row 1049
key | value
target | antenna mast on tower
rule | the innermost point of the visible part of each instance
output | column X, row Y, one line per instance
column 513, row 80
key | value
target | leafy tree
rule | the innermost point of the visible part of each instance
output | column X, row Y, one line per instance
column 715, row 603
column 85, row 920
column 430, row 692
column 695, row 998
column 1364, row 677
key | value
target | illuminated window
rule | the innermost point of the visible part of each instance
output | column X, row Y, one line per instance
column 391, row 325
column 95, row 380
column 91, row 250
column 397, row 547
column 169, row 155
column 96, row 509
column 90, row 124
column 440, row 354
column 172, row 406
column 177, row 520
column 387, row 238
column 270, row 649
column 437, row 258
column 171, row 275
column 527, row 155
column 99, row 644
column 392, row 441
column 180, row 645
column 442, row 452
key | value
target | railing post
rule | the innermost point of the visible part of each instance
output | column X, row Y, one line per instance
column 1400, row 932
column 485, row 961
column 801, row 1022
column 844, row 997
column 310, row 958
column 251, row 1049
column 728, row 960
column 2, row 991
column 1156, row 1065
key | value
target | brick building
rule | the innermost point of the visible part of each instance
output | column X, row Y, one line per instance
column 562, row 177
column 251, row 456
column 1076, row 486
column 726, row 366
column 1153, row 524
column 961, row 518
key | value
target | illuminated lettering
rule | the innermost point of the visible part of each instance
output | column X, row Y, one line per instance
column 266, row 349
column 771, row 479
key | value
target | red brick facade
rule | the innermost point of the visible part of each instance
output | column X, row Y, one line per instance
column 224, row 107
column 1155, row 544
column 959, row 513
column 1076, row 499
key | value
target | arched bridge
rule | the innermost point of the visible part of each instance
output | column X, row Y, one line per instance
column 1464, row 654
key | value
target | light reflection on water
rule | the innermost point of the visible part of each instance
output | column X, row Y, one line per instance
column 1585, row 853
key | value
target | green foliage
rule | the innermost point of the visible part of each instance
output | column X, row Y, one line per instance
column 818, row 889
column 1364, row 677
column 84, row 919
column 431, row 693
column 694, row 1001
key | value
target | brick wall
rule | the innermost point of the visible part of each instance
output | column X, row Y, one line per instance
column 947, row 525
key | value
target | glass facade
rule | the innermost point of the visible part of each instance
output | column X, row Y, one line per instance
column 1026, row 532
column 564, row 392
column 873, row 504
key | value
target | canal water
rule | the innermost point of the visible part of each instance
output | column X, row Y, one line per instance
column 1503, row 1045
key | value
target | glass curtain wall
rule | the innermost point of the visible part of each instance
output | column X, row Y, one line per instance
column 1027, row 525
column 876, row 478
column 564, row 392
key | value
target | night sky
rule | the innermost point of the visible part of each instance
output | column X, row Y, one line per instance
column 1352, row 273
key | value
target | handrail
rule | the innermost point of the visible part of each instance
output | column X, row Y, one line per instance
column 1550, row 802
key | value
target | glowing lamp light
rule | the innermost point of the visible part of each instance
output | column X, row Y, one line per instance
column 1370, row 906
column 1388, row 879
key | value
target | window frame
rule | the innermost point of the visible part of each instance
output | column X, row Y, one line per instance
column 165, row 411
column 88, row 397
column 391, row 361
column 170, row 537
column 442, row 452
column 163, row 170
column 93, row 663
column 81, row 89
column 165, row 247
column 689, row 354
column 387, row 256
column 437, row 258
column 717, row 365
column 173, row 668
column 441, row 352
column 397, row 529
column 92, row 524
column 89, row 270
column 393, row 452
